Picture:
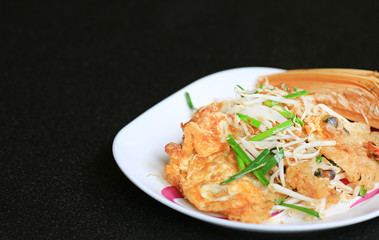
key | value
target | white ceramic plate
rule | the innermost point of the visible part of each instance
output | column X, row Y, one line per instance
column 139, row 151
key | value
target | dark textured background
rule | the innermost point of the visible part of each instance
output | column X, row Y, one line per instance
column 73, row 73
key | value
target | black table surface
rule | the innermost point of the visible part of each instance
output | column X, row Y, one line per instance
column 73, row 73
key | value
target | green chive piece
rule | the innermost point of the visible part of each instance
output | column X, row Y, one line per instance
column 240, row 87
column 298, row 94
column 262, row 157
column 270, row 103
column 272, row 161
column 249, row 120
column 241, row 156
column 260, row 86
column 362, row 191
column 288, row 114
column 255, row 165
column 261, row 177
column 258, row 174
column 272, row 131
column 189, row 102
column 240, row 162
column 238, row 150
column 295, row 89
column 279, row 201
column 319, row 159
column 303, row 209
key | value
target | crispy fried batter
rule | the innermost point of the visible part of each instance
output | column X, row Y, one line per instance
column 349, row 153
column 205, row 160
column 300, row 177
column 373, row 150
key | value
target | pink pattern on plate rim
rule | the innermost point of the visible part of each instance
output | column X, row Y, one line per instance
column 275, row 213
column 171, row 193
column 366, row 197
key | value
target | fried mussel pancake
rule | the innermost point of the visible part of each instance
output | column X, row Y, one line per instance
column 204, row 160
column 351, row 152
column 356, row 143
column 302, row 178
column 354, row 94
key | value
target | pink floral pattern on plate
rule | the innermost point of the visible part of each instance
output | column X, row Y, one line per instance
column 366, row 197
column 171, row 193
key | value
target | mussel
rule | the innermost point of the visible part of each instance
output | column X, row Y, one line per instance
column 352, row 93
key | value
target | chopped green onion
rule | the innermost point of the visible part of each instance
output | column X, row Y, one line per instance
column 189, row 102
column 249, row 120
column 288, row 114
column 240, row 87
column 241, row 156
column 255, row 165
column 238, row 150
column 272, row 161
column 272, row 131
column 262, row 157
column 260, row 86
column 240, row 162
column 258, row 174
column 298, row 94
column 319, row 159
column 279, row 201
column 303, row 209
column 295, row 89
column 261, row 177
column 362, row 191
column 270, row 103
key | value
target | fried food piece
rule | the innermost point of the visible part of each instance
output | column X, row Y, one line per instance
column 204, row 160
column 300, row 177
column 349, row 152
column 349, row 92
column 373, row 150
